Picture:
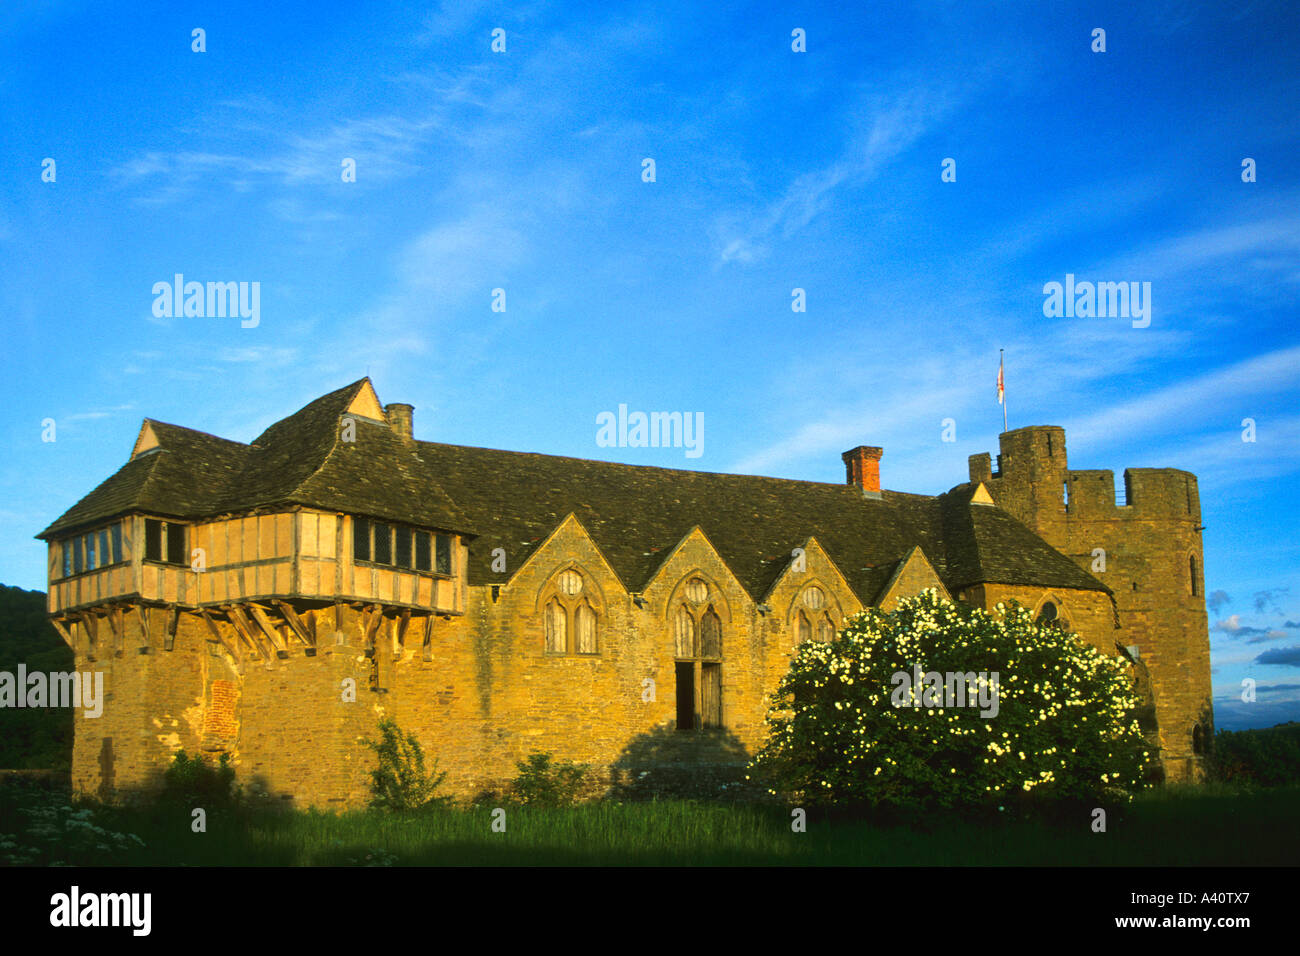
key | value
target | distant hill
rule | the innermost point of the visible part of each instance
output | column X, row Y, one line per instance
column 32, row 739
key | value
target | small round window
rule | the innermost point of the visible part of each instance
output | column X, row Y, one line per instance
column 570, row 582
column 814, row 598
column 696, row 590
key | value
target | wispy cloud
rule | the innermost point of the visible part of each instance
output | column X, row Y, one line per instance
column 895, row 124
column 99, row 413
column 383, row 147
column 1273, row 372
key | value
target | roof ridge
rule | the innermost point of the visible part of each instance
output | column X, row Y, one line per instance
column 194, row 431
column 663, row 468
column 349, row 390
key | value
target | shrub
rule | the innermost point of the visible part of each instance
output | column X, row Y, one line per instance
column 400, row 782
column 543, row 784
column 843, row 729
column 60, row 834
column 194, row 782
column 1265, row 757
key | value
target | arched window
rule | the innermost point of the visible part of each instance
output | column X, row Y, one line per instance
column 697, row 645
column 557, row 628
column 814, row 620
column 584, row 627
column 1046, row 614
column 571, row 615
column 696, row 590
column 684, row 633
column 1194, row 579
column 711, row 635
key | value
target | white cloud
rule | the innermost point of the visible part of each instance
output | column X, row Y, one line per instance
column 894, row 125
column 1272, row 372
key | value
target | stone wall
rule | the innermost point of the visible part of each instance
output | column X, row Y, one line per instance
column 490, row 693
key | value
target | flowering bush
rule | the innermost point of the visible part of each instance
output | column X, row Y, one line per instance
column 1056, row 718
column 56, row 833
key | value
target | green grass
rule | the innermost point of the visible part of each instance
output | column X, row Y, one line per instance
column 1175, row 827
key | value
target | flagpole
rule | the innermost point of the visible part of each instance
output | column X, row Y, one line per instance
column 1003, row 396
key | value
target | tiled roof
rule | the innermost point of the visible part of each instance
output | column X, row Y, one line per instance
column 300, row 460
column 513, row 500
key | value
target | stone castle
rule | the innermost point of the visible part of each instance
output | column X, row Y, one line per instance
column 274, row 600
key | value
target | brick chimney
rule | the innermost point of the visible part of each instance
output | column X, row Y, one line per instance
column 862, row 467
column 400, row 419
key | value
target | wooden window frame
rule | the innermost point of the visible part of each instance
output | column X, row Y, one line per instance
column 554, row 610
column 165, row 527
column 698, row 661
column 421, row 544
column 569, row 604
column 74, row 553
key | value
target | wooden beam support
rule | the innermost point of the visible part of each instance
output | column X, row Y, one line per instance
column 239, row 631
column 269, row 629
column 247, row 630
column 399, row 632
column 428, row 637
column 375, row 616
column 65, row 634
column 91, row 624
column 117, row 621
column 233, row 650
column 169, row 636
column 73, row 621
column 143, row 613
column 295, row 623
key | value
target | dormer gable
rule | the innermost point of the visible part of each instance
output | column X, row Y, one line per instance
column 914, row 574
column 365, row 403
column 147, row 440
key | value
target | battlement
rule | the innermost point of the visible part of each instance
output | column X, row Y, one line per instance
column 1032, row 453
column 1092, row 492
column 1033, row 475
column 1146, row 493
column 1162, row 493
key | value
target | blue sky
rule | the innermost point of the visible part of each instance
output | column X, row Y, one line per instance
column 775, row 170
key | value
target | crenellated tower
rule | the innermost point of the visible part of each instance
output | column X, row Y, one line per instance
column 1145, row 544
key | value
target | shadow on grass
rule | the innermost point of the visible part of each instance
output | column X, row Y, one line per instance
column 666, row 763
column 1174, row 827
